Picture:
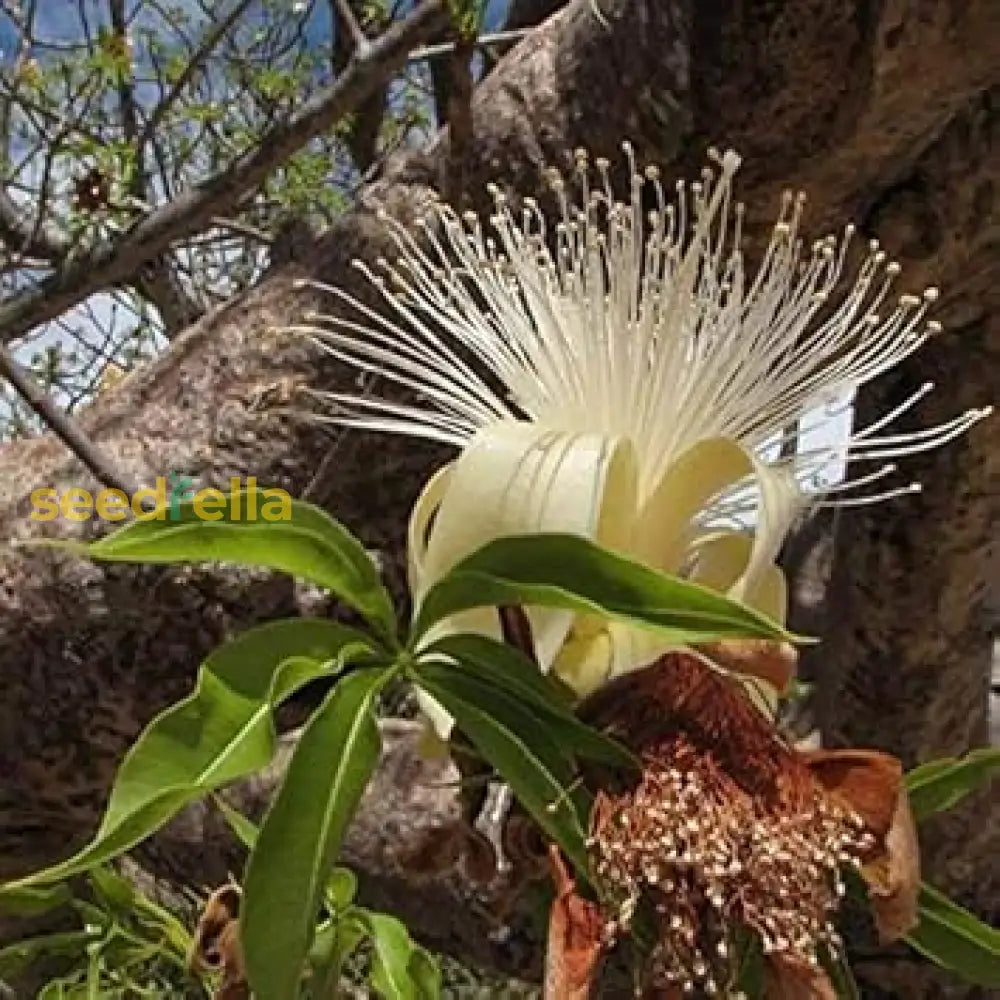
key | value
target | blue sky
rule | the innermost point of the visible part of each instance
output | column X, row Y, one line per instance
column 57, row 20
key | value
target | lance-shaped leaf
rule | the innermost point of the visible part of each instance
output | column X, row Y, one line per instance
column 541, row 694
column 222, row 731
column 524, row 754
column 574, row 574
column 956, row 940
column 309, row 544
column 33, row 901
column 342, row 885
column 16, row 957
column 940, row 784
column 299, row 839
column 401, row 969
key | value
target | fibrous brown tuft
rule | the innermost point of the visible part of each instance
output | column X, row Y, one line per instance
column 726, row 830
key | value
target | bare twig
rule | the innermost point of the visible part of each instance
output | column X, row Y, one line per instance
column 350, row 23
column 115, row 261
column 126, row 94
column 46, row 243
column 483, row 41
column 29, row 389
column 362, row 139
column 459, row 117
column 208, row 43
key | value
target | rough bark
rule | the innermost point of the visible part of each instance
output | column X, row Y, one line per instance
column 815, row 93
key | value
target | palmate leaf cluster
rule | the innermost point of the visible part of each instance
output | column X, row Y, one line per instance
column 299, row 921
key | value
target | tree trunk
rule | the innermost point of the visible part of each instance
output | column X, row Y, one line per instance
column 814, row 93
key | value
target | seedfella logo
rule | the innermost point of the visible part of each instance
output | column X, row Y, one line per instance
column 164, row 502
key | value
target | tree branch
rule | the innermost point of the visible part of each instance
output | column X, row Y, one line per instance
column 62, row 425
column 349, row 24
column 126, row 94
column 42, row 242
column 362, row 140
column 115, row 262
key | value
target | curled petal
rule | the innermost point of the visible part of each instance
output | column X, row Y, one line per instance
column 421, row 518
column 869, row 781
column 517, row 478
column 666, row 522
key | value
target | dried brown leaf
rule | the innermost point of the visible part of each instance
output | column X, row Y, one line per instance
column 576, row 939
column 872, row 784
column 788, row 978
column 216, row 945
column 773, row 662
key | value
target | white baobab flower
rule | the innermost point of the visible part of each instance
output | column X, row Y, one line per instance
column 618, row 374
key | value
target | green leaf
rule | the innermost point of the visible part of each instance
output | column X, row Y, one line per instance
column 940, row 784
column 956, row 939
column 33, row 902
column 221, row 732
column 336, row 940
column 401, row 969
column 16, row 957
column 301, row 835
column 572, row 573
column 310, row 545
column 393, row 948
column 246, row 831
column 124, row 903
column 837, row 968
column 341, row 887
column 425, row 973
column 505, row 667
column 509, row 737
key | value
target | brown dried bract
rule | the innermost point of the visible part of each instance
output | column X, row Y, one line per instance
column 872, row 784
column 576, row 939
column 788, row 979
column 773, row 662
column 217, row 946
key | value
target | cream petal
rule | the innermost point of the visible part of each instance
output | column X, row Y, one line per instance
column 781, row 503
column 586, row 658
column 770, row 596
column 421, row 518
column 731, row 562
column 516, row 479
column 666, row 523
column 722, row 560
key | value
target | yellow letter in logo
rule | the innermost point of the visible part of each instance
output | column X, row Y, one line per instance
column 111, row 505
column 45, row 503
column 278, row 499
column 76, row 504
column 159, row 495
column 204, row 498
